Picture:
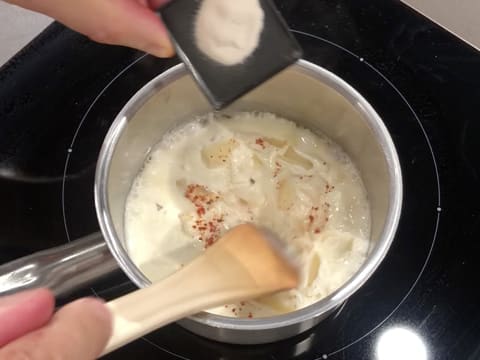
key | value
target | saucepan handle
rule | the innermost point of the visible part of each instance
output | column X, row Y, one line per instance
column 62, row 269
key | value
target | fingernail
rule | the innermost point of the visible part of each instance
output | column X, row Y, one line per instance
column 161, row 51
column 98, row 307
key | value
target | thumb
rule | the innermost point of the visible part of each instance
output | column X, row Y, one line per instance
column 78, row 331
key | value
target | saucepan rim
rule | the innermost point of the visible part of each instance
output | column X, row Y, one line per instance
column 320, row 307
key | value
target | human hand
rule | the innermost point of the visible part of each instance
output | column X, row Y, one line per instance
column 30, row 330
column 131, row 23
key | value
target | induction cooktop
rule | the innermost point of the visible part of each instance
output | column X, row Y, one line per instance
column 59, row 95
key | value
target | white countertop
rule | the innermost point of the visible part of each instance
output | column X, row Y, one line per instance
column 460, row 17
column 17, row 28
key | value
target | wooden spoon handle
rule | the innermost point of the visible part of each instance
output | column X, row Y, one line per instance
column 184, row 293
column 231, row 270
column 145, row 310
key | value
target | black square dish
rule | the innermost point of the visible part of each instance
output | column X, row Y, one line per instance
column 222, row 84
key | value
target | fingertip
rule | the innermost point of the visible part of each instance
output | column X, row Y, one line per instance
column 94, row 306
column 44, row 305
column 87, row 323
column 46, row 297
column 42, row 295
column 25, row 312
column 79, row 330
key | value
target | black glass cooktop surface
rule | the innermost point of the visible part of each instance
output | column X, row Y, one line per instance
column 61, row 93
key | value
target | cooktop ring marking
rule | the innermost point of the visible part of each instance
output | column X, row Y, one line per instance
column 361, row 59
column 163, row 349
column 438, row 206
column 71, row 147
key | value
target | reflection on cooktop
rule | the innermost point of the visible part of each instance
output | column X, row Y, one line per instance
column 400, row 343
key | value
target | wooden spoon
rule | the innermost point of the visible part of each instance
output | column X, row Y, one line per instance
column 242, row 265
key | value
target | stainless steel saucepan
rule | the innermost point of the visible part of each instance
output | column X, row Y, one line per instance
column 305, row 93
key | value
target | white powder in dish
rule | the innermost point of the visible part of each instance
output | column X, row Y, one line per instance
column 228, row 31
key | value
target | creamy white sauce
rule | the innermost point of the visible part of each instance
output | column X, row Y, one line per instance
column 217, row 172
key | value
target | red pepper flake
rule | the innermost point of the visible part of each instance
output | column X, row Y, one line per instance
column 260, row 142
column 328, row 188
column 278, row 166
column 317, row 231
column 310, row 218
column 250, row 315
column 208, row 230
column 210, row 241
column 242, row 303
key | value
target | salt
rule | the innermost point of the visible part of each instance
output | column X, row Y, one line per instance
column 228, row 31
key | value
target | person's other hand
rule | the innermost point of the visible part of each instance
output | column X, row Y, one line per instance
column 29, row 328
column 131, row 23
